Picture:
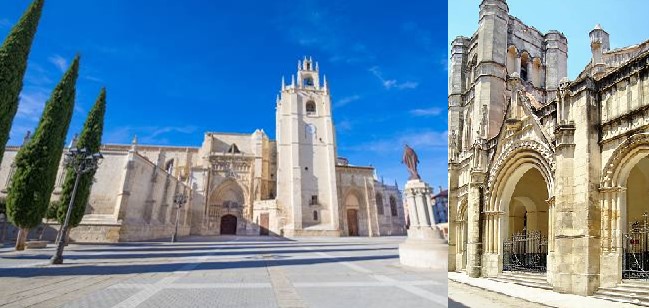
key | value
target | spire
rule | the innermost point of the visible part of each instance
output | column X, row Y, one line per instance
column 325, row 82
column 134, row 144
column 283, row 84
column 317, row 68
column 73, row 142
column 299, row 65
column 293, row 81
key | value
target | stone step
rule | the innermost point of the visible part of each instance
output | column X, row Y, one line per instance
column 634, row 292
column 532, row 280
column 641, row 300
column 640, row 284
column 627, row 290
column 537, row 278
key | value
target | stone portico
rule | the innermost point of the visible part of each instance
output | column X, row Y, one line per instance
column 547, row 174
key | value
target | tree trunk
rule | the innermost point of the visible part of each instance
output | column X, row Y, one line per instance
column 41, row 230
column 22, row 238
column 67, row 236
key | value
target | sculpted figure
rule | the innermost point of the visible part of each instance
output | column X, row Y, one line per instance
column 411, row 160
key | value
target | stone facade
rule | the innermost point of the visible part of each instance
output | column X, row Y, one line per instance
column 566, row 159
column 244, row 184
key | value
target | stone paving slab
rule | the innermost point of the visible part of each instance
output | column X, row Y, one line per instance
column 221, row 272
column 535, row 295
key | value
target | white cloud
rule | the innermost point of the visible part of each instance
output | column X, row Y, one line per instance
column 4, row 23
column 346, row 100
column 407, row 85
column 392, row 83
column 146, row 134
column 93, row 78
column 424, row 140
column 310, row 24
column 344, row 125
column 31, row 104
column 60, row 62
column 433, row 111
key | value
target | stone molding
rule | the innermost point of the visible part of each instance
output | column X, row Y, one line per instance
column 617, row 159
column 547, row 155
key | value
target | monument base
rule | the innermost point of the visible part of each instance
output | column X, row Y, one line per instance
column 424, row 248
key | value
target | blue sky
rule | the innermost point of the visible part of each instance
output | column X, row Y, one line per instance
column 176, row 69
column 625, row 20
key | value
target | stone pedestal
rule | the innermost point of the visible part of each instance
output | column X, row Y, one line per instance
column 425, row 246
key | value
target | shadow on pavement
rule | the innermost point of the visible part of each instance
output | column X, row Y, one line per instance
column 161, row 268
column 72, row 255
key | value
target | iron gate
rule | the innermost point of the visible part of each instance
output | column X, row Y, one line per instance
column 635, row 258
column 525, row 251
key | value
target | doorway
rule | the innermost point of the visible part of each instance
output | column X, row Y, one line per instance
column 352, row 222
column 263, row 224
column 228, row 225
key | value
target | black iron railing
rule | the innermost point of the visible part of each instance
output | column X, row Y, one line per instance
column 635, row 257
column 525, row 251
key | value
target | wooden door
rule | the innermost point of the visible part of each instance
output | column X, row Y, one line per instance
column 352, row 222
column 229, row 225
column 263, row 224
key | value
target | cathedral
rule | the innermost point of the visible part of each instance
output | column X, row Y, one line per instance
column 547, row 175
column 240, row 184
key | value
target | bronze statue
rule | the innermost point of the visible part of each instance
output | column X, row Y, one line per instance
column 411, row 161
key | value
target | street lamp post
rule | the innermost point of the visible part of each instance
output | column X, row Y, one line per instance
column 3, row 220
column 81, row 161
column 179, row 200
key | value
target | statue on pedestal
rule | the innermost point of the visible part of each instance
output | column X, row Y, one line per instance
column 411, row 160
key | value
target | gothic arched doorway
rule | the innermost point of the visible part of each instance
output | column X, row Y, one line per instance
column 635, row 222
column 352, row 207
column 525, row 244
column 228, row 225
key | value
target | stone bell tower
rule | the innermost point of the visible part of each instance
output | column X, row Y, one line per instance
column 306, row 155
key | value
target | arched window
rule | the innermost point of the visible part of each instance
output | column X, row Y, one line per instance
column 379, row 203
column 525, row 62
column 315, row 215
column 169, row 166
column 393, row 206
column 310, row 107
column 308, row 82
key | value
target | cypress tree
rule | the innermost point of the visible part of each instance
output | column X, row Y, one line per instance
column 37, row 162
column 13, row 63
column 90, row 138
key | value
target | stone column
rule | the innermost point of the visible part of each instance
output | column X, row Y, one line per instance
column 474, row 246
column 422, row 206
column 611, row 256
column 454, row 222
column 412, row 209
column 425, row 246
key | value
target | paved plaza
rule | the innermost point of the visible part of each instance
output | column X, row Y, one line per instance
column 221, row 272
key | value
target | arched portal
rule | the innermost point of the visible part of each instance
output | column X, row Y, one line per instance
column 227, row 199
column 352, row 208
column 525, row 243
column 635, row 221
column 228, row 225
column 624, row 227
